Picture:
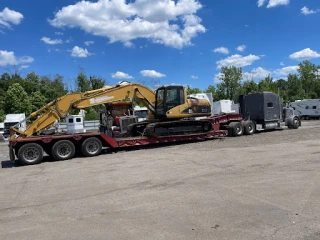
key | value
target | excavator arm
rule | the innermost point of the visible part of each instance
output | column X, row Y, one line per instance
column 60, row 107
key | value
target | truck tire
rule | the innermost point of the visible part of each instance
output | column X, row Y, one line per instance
column 91, row 147
column 235, row 129
column 296, row 123
column 30, row 153
column 249, row 127
column 63, row 150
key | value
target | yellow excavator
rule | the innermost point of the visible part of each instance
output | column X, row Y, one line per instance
column 172, row 112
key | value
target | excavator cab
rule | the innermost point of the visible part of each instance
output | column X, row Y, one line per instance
column 168, row 97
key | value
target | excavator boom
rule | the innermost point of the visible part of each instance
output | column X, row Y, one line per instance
column 60, row 107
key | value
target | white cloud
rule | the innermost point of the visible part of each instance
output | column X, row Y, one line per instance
column 222, row 50
column 238, row 60
column 88, row 43
column 23, row 67
column 306, row 11
column 283, row 72
column 273, row 3
column 194, row 77
column 168, row 22
column 53, row 49
column 259, row 73
column 80, row 52
column 121, row 75
column 8, row 17
column 58, row 33
column 152, row 74
column 281, row 64
column 8, row 58
column 241, row 48
column 304, row 54
column 51, row 41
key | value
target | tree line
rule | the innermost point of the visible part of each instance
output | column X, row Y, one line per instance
column 27, row 94
column 303, row 85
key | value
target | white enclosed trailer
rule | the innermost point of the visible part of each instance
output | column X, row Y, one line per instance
column 306, row 109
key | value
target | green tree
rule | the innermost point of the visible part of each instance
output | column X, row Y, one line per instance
column 31, row 83
column 2, row 115
column 249, row 87
column 294, row 85
column 192, row 90
column 37, row 100
column 230, row 82
column 211, row 89
column 82, row 82
column 91, row 114
column 307, row 72
column 17, row 100
column 96, row 83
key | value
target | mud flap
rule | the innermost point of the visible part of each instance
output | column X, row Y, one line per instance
column 11, row 154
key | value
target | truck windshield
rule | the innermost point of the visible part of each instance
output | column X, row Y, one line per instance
column 9, row 124
column 141, row 113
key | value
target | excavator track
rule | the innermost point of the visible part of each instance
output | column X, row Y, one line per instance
column 177, row 128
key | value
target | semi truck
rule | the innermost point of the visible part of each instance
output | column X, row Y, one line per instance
column 258, row 112
column 16, row 119
column 172, row 118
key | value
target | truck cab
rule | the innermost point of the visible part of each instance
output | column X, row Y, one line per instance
column 141, row 113
column 266, row 111
column 12, row 120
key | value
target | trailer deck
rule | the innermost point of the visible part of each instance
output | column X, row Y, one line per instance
column 111, row 142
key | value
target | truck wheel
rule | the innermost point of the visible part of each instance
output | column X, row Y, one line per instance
column 30, row 153
column 249, row 128
column 235, row 129
column 91, row 147
column 296, row 123
column 63, row 150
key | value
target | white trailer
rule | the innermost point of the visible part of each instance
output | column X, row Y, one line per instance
column 306, row 109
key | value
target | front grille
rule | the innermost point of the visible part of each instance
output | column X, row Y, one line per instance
column 126, row 121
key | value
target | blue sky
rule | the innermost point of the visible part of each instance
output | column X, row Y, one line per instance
column 181, row 42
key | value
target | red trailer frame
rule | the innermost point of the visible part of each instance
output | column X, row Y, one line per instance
column 108, row 141
column 220, row 128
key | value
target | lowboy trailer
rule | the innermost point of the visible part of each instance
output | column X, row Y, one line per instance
column 31, row 150
column 259, row 111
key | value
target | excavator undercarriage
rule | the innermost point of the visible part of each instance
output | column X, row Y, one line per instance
column 116, row 125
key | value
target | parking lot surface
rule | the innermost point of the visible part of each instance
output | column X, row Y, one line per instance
column 264, row 186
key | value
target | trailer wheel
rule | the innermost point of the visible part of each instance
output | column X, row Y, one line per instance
column 30, row 153
column 249, row 128
column 63, row 150
column 235, row 129
column 91, row 147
